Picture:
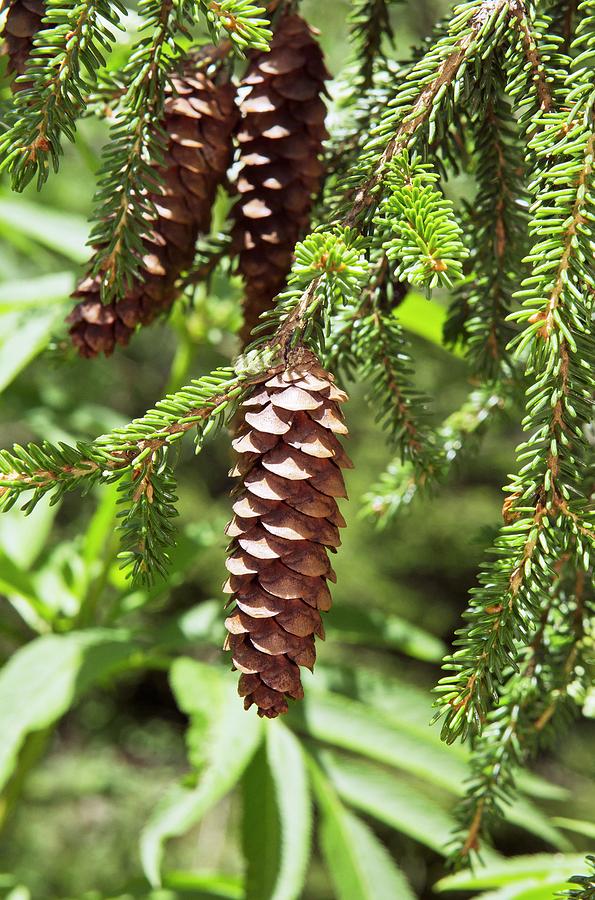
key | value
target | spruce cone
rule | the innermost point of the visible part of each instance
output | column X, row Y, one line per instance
column 286, row 517
column 280, row 138
column 199, row 119
column 23, row 21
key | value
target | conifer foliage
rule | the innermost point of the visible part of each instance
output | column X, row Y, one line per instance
column 504, row 93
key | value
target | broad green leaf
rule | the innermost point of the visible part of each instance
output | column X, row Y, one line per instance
column 48, row 289
column 97, row 541
column 374, row 628
column 43, row 679
column 15, row 581
column 407, row 704
column 210, row 884
column 420, row 316
column 101, row 524
column 526, row 890
column 200, row 692
column 380, row 794
column 288, row 771
column 589, row 704
column 65, row 233
column 199, row 688
column 23, row 537
column 535, row 786
column 527, row 815
column 231, row 740
column 578, row 826
column 540, row 866
column 353, row 726
column 21, row 892
column 202, row 623
column 411, row 708
column 23, row 336
column 359, row 865
column 55, row 580
column 261, row 837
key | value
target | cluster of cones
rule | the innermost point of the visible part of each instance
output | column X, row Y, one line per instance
column 286, row 517
column 286, row 521
column 279, row 126
column 199, row 118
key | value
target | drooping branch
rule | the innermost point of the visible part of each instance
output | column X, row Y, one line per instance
column 544, row 495
column 449, row 57
column 532, row 56
column 66, row 54
column 327, row 265
column 496, row 231
column 530, row 700
column 457, row 437
column 370, row 25
column 127, row 180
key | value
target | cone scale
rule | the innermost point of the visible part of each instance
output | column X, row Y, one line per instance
column 199, row 118
column 280, row 136
column 23, row 21
column 286, row 522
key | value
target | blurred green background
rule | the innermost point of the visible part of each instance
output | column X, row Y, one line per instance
column 73, row 810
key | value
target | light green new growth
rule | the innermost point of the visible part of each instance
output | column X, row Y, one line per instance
column 421, row 235
column 243, row 21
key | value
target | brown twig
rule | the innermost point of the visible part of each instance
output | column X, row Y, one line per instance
column 519, row 13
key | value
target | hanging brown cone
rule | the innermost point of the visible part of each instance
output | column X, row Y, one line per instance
column 280, row 136
column 286, row 519
column 199, row 119
column 23, row 21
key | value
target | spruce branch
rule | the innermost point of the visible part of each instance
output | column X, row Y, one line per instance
column 555, row 671
column 370, row 26
column 368, row 339
column 556, row 301
column 329, row 268
column 368, row 342
column 39, row 468
column 127, row 178
column 497, row 235
column 356, row 112
column 504, row 611
column 586, row 883
column 418, row 226
column 533, row 52
column 533, row 90
column 148, row 506
column 241, row 20
column 329, row 272
column 330, row 262
column 425, row 92
column 62, row 69
column 457, row 437
column 545, row 495
column 474, row 27
column 386, row 366
column 45, row 467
